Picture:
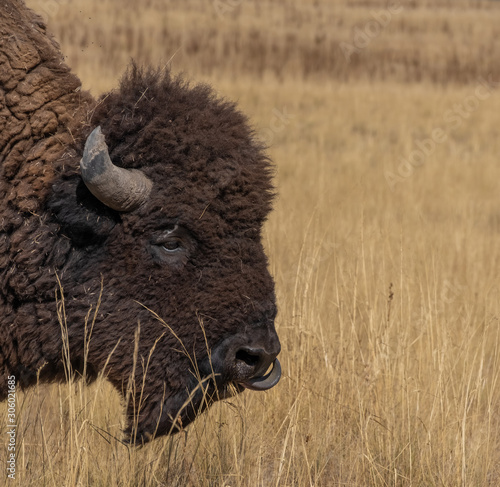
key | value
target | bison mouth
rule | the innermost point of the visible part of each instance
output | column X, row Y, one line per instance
column 264, row 382
column 241, row 361
column 173, row 413
column 218, row 386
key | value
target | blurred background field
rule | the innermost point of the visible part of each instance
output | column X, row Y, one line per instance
column 383, row 243
column 442, row 41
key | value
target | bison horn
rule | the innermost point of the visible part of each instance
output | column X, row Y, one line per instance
column 116, row 187
column 267, row 381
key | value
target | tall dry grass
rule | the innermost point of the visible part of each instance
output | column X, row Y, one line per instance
column 388, row 291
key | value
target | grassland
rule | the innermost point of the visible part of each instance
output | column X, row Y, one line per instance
column 383, row 243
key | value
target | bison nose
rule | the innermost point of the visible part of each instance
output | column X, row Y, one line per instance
column 253, row 362
column 248, row 359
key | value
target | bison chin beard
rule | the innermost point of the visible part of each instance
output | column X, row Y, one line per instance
column 171, row 414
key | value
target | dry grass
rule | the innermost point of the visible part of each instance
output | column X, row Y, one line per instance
column 404, row 40
column 388, row 295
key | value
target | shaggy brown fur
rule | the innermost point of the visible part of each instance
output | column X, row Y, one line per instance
column 211, row 184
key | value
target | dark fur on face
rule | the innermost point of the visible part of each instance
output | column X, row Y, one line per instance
column 212, row 192
column 174, row 279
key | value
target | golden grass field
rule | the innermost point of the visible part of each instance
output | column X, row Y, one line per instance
column 386, row 260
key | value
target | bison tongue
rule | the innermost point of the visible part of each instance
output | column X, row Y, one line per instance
column 265, row 382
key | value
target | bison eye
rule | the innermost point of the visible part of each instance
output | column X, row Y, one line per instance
column 171, row 245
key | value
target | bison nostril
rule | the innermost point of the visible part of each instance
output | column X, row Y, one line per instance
column 253, row 362
column 251, row 359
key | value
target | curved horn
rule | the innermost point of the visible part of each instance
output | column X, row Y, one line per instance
column 116, row 187
column 265, row 382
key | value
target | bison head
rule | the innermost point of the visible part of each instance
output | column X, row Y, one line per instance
column 166, row 217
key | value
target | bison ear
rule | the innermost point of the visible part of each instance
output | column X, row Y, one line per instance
column 82, row 217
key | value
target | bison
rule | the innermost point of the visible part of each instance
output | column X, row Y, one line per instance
column 130, row 235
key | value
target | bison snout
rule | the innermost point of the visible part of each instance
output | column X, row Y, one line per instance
column 249, row 361
column 253, row 362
